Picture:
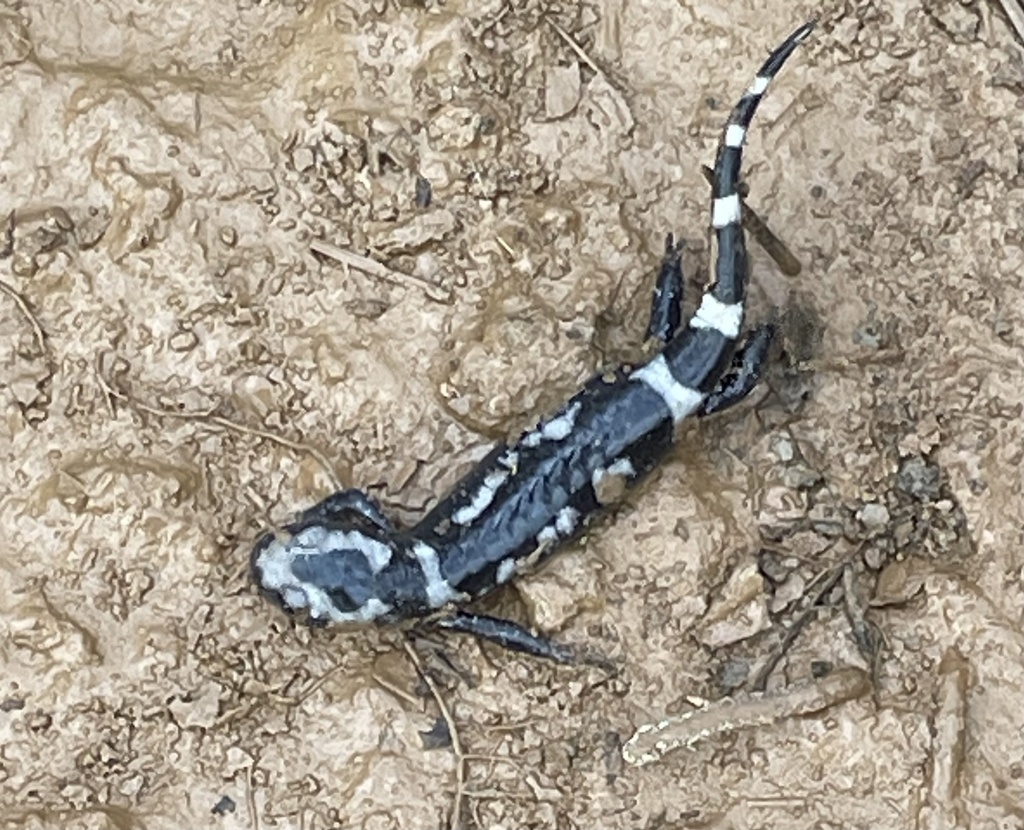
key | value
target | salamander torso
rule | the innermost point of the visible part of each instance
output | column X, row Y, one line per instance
column 343, row 561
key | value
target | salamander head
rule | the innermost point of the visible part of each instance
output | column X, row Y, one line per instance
column 328, row 573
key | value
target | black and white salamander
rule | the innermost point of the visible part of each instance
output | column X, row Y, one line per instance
column 342, row 560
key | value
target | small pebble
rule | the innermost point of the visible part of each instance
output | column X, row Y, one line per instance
column 874, row 515
column 783, row 448
column 919, row 479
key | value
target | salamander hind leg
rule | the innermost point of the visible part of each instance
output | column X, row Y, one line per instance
column 744, row 374
column 667, row 300
column 515, row 637
column 506, row 634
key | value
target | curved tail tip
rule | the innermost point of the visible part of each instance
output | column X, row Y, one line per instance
column 802, row 33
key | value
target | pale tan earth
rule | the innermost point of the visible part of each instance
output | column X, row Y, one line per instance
column 169, row 165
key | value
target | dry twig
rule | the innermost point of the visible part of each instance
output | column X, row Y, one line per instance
column 460, row 759
column 37, row 329
column 377, row 269
column 1015, row 12
column 250, row 798
column 826, row 581
column 208, row 416
column 583, row 56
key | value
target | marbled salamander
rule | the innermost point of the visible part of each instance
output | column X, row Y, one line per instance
column 342, row 560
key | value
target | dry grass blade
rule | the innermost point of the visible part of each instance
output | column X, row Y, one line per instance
column 208, row 416
column 583, row 56
column 455, row 822
column 37, row 330
column 1015, row 12
column 379, row 270
column 250, row 799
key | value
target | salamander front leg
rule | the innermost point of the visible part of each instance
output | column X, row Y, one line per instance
column 667, row 300
column 747, row 366
column 506, row 634
column 344, row 503
column 513, row 636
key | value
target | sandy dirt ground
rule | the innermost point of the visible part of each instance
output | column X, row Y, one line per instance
column 178, row 370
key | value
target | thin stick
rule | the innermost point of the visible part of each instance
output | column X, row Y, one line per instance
column 828, row 579
column 505, row 247
column 208, row 416
column 250, row 799
column 508, row 727
column 1014, row 11
column 295, row 446
column 379, row 270
column 460, row 759
column 583, row 56
column 388, row 686
column 308, row 692
column 37, row 330
column 105, row 387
